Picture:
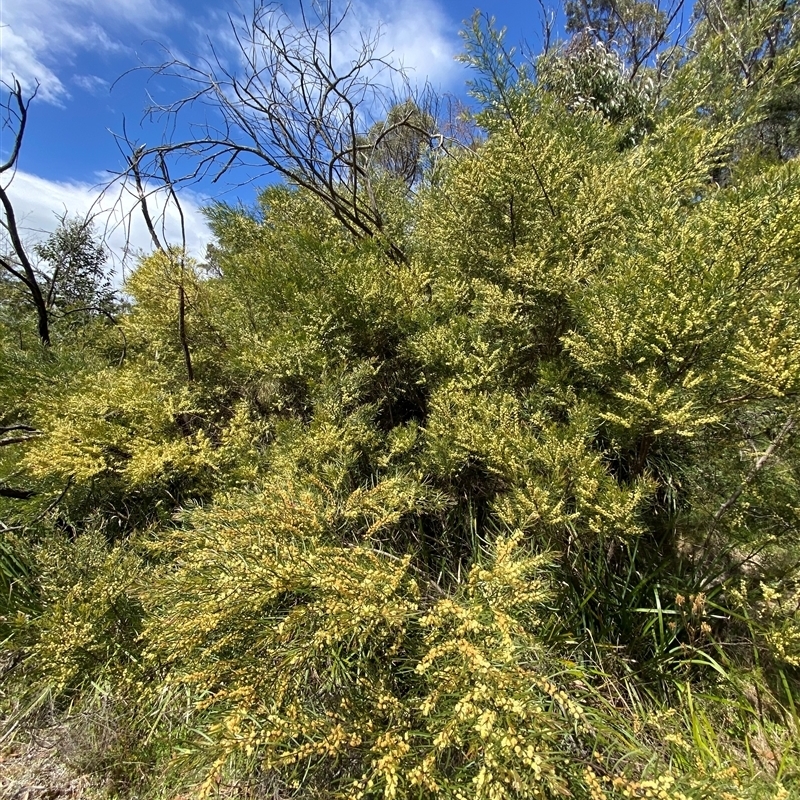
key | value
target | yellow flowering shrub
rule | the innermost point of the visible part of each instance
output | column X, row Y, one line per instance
column 89, row 617
column 134, row 439
column 129, row 423
column 341, row 668
column 507, row 512
column 285, row 637
column 491, row 720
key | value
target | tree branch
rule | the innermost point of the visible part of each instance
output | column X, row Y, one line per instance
column 17, row 439
column 26, row 274
column 16, row 494
column 293, row 108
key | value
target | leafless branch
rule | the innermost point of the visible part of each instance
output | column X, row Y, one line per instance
column 16, row 494
column 299, row 106
column 17, row 263
column 548, row 19
column 134, row 162
column 56, row 501
column 16, row 440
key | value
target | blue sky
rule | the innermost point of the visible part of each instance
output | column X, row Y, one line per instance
column 78, row 50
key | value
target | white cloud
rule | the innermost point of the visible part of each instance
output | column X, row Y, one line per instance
column 93, row 84
column 40, row 36
column 19, row 59
column 39, row 203
column 418, row 34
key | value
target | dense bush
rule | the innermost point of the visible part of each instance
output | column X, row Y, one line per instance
column 513, row 517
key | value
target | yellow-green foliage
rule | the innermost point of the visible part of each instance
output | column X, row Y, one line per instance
column 486, row 690
column 344, row 667
column 514, row 518
column 88, row 629
column 134, row 436
column 121, row 423
column 154, row 326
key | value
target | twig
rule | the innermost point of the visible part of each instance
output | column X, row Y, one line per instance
column 16, row 494
column 55, row 502
column 19, row 439
column 757, row 467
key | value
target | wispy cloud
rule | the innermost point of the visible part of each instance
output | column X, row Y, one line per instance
column 417, row 33
column 20, row 59
column 40, row 37
column 39, row 203
column 93, row 84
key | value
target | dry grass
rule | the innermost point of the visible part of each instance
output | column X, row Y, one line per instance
column 34, row 769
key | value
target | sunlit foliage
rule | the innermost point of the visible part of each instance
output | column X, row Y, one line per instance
column 514, row 518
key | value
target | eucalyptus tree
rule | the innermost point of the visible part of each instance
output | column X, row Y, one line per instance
column 72, row 266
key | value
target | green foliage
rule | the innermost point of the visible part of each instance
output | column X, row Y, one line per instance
column 90, row 615
column 589, row 76
column 76, row 280
column 400, row 145
column 340, row 667
column 636, row 29
column 515, row 518
column 746, row 71
column 496, row 76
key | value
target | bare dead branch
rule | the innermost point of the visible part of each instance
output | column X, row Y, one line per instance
column 17, row 440
column 135, row 169
column 170, row 187
column 16, row 119
column 16, row 494
column 298, row 106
